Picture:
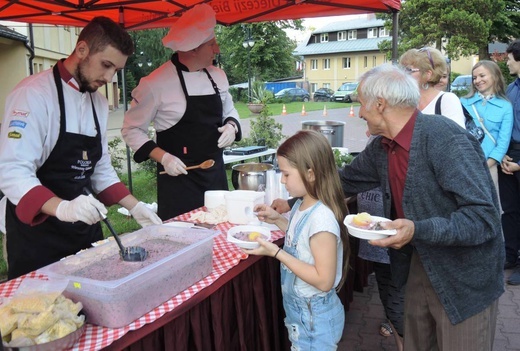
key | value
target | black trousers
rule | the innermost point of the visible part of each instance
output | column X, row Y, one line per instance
column 509, row 187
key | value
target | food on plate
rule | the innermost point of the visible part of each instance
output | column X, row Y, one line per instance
column 249, row 236
column 364, row 220
column 28, row 320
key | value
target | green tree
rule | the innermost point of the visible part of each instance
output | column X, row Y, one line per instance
column 461, row 28
column 270, row 58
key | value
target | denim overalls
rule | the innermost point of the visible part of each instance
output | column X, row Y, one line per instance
column 314, row 323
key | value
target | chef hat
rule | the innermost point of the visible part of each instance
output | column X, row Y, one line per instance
column 194, row 28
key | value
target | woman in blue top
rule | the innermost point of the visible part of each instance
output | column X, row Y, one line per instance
column 315, row 253
column 488, row 104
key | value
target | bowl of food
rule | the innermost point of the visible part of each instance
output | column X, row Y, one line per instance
column 43, row 322
column 245, row 236
column 368, row 227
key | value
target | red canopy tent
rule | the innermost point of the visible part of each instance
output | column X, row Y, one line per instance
column 146, row 14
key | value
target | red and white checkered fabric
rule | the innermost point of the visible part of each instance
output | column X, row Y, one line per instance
column 225, row 256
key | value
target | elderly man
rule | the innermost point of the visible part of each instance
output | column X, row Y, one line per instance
column 437, row 188
column 188, row 101
column 54, row 140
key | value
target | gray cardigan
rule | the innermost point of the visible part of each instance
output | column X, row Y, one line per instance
column 450, row 197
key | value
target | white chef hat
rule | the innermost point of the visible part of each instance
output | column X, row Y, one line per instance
column 194, row 28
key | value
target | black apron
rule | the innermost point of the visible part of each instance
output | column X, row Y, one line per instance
column 65, row 172
column 193, row 139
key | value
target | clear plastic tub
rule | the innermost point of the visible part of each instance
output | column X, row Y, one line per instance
column 114, row 293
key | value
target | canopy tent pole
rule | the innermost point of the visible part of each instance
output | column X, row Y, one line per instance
column 125, row 108
column 395, row 33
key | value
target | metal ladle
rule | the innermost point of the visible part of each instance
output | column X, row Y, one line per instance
column 204, row 165
column 129, row 254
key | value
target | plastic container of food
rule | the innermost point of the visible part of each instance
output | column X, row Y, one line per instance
column 240, row 205
column 114, row 292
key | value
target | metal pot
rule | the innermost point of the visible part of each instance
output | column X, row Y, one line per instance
column 249, row 176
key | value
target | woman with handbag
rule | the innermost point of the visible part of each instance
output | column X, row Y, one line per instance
column 491, row 110
column 427, row 66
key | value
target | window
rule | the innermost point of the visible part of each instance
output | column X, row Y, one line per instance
column 374, row 61
column 365, row 61
column 326, row 85
column 346, row 62
column 372, row 33
column 314, row 87
column 342, row 36
column 314, row 65
column 352, row 34
column 326, row 63
column 324, row 38
column 383, row 32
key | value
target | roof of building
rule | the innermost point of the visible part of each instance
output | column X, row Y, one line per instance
column 349, row 25
column 11, row 34
column 332, row 47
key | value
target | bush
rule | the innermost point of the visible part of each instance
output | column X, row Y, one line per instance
column 264, row 131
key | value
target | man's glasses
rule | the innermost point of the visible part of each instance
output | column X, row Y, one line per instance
column 429, row 55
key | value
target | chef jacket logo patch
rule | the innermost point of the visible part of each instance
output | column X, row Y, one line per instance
column 20, row 113
column 14, row 135
column 17, row 123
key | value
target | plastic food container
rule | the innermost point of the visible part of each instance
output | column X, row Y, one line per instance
column 214, row 198
column 177, row 259
column 240, row 205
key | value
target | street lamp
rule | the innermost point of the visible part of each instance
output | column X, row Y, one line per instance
column 248, row 44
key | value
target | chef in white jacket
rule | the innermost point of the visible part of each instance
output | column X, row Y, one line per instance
column 53, row 146
column 187, row 100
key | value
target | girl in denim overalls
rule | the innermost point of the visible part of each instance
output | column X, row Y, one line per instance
column 315, row 253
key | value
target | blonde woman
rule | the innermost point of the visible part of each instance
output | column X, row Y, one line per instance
column 491, row 110
column 427, row 66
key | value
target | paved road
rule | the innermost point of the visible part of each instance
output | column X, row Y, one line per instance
column 366, row 313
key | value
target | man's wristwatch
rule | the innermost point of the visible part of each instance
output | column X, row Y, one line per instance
column 234, row 126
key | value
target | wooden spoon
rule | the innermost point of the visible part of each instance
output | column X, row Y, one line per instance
column 204, row 165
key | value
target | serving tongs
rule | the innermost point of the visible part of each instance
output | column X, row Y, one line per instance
column 129, row 254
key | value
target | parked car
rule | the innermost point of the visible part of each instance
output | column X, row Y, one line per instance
column 462, row 83
column 343, row 94
column 323, row 94
column 293, row 94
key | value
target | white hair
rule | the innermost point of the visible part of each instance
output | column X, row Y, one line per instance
column 391, row 83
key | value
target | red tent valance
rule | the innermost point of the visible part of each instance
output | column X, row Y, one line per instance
column 145, row 14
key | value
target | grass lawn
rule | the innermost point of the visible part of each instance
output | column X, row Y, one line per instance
column 291, row 107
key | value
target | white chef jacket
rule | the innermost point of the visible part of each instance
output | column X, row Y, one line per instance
column 31, row 127
column 159, row 98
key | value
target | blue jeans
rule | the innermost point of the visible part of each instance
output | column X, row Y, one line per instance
column 314, row 324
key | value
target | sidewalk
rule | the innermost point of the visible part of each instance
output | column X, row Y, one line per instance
column 366, row 313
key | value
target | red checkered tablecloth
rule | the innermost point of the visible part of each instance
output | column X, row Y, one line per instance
column 225, row 256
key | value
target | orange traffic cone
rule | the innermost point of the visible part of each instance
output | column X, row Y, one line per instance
column 324, row 110
column 284, row 111
column 303, row 110
column 351, row 114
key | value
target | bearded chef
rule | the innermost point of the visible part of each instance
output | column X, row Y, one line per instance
column 53, row 146
column 187, row 100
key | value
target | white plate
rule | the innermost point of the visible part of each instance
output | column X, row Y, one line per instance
column 247, row 228
column 368, row 234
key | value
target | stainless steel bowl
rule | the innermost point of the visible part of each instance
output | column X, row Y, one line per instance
column 250, row 176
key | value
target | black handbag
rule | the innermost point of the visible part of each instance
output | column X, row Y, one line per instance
column 471, row 127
